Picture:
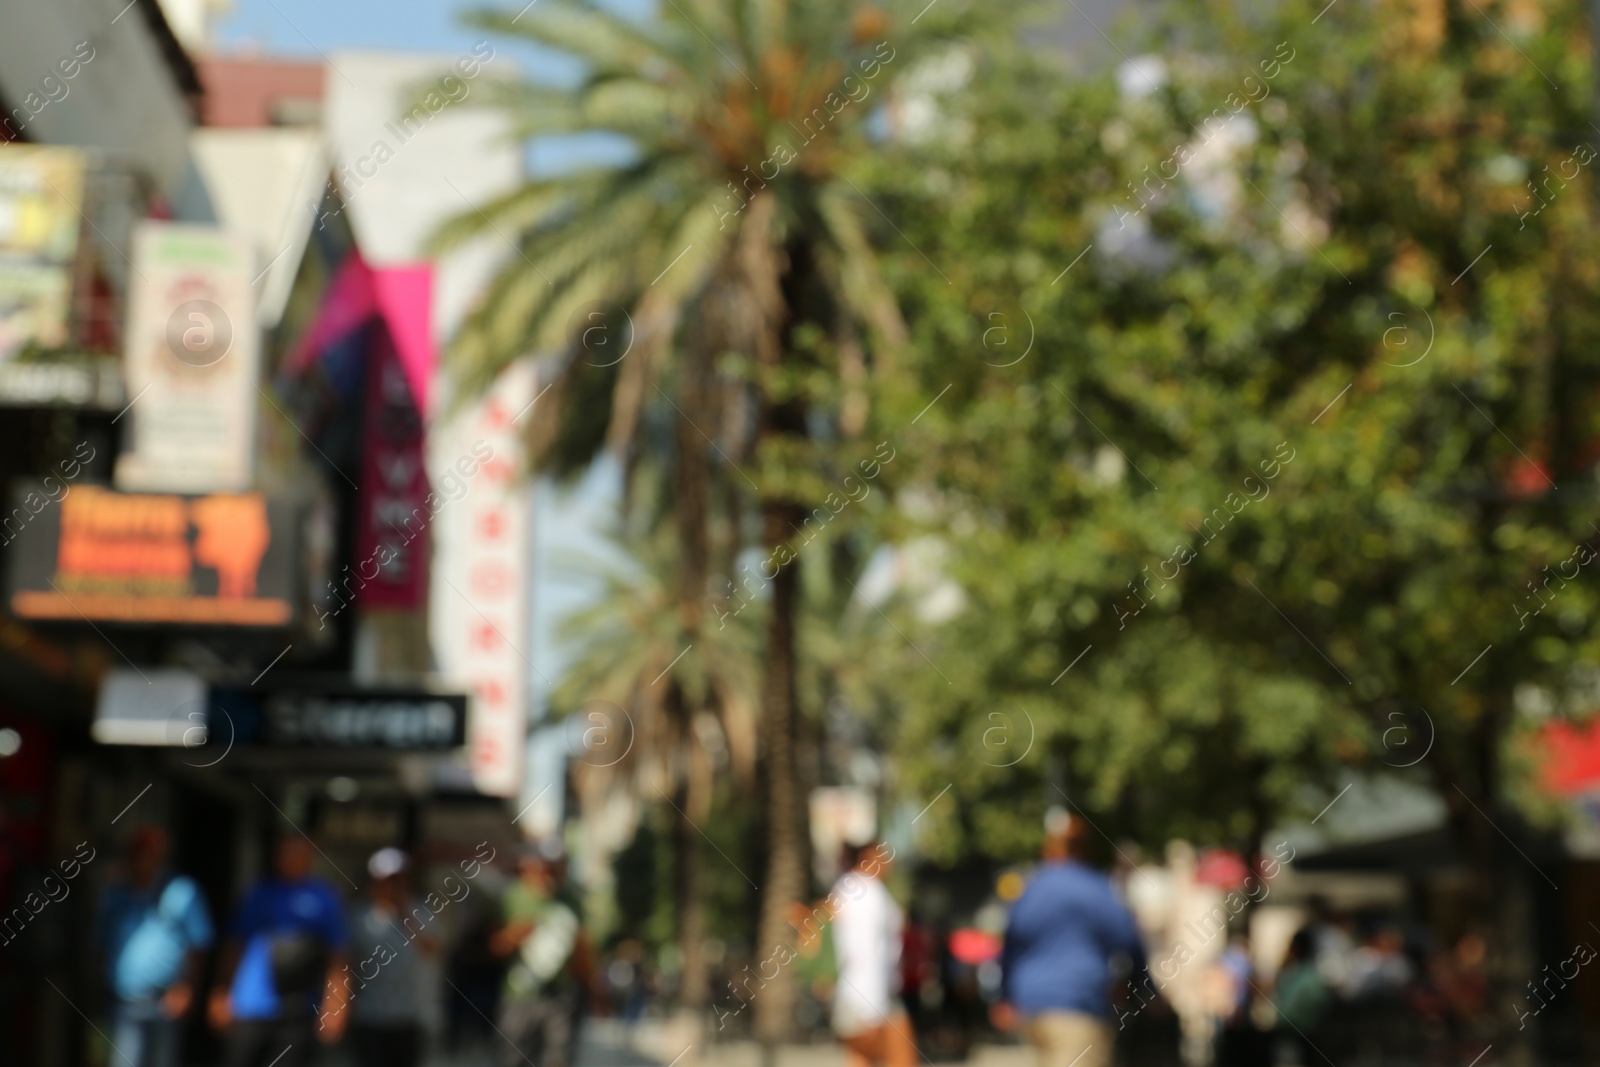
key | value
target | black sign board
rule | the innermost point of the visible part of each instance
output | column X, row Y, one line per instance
column 342, row 718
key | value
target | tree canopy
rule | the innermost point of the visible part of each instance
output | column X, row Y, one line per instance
column 1270, row 425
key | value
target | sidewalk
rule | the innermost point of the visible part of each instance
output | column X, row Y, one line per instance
column 609, row 1043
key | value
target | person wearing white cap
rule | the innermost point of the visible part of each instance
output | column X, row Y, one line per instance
column 387, row 937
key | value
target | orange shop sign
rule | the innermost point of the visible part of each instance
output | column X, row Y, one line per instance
column 101, row 555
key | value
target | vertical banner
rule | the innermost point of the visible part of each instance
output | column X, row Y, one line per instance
column 191, row 362
column 392, row 503
column 480, row 577
column 41, row 195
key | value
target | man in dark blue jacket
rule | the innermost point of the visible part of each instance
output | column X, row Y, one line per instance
column 1062, row 936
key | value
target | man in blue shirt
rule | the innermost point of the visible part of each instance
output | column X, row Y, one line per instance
column 1061, row 937
column 286, row 947
column 152, row 929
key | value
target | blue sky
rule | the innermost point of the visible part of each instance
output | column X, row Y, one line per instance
column 299, row 27
column 311, row 29
column 302, row 27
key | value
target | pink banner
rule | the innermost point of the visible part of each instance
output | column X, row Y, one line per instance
column 401, row 296
column 394, row 537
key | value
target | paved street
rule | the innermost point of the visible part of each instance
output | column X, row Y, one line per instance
column 607, row 1043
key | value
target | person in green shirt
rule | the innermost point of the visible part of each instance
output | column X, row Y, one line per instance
column 551, row 969
column 1303, row 1000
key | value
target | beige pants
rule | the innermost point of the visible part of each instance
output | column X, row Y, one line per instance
column 1070, row 1039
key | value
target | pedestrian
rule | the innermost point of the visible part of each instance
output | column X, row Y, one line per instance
column 919, row 969
column 277, row 987
column 152, row 931
column 1061, row 939
column 815, row 963
column 472, row 970
column 1228, row 983
column 389, row 942
column 868, row 1018
column 1303, row 1000
column 552, row 968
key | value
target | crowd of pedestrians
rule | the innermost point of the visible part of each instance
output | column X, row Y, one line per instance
column 1072, row 954
column 298, row 969
column 1343, row 987
column 293, row 966
column 1068, row 937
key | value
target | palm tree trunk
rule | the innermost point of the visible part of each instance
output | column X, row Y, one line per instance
column 691, row 518
column 773, row 279
column 694, row 992
column 691, row 497
column 690, row 801
column 786, row 878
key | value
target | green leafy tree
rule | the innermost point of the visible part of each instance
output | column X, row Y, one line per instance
column 1302, row 452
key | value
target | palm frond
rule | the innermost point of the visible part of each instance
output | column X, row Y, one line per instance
column 606, row 42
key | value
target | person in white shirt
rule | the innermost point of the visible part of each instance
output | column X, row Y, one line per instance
column 867, row 922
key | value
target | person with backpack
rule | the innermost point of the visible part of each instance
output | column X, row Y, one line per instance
column 152, row 931
column 552, row 968
column 281, row 966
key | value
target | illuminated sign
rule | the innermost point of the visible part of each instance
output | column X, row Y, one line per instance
column 85, row 552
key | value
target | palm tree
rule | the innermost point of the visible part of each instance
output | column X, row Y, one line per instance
column 687, row 707
column 733, row 241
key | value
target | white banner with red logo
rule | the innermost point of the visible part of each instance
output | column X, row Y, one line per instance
column 479, row 620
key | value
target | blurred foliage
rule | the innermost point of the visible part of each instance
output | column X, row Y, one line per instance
column 1148, row 320
column 1243, row 410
